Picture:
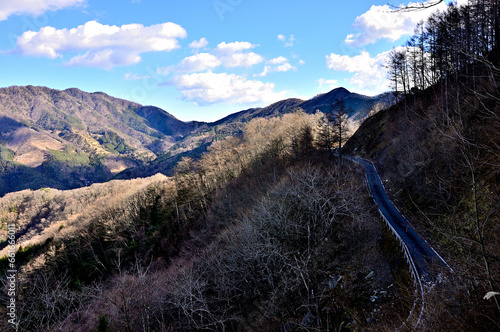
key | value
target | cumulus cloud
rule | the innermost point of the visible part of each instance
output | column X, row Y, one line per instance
column 199, row 44
column 385, row 22
column 279, row 64
column 277, row 61
column 233, row 54
column 370, row 73
column 103, row 46
column 33, row 7
column 241, row 59
column 231, row 48
column 105, row 59
column 198, row 62
column 194, row 78
column 210, row 88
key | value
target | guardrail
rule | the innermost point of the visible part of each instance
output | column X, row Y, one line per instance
column 409, row 260
column 414, row 274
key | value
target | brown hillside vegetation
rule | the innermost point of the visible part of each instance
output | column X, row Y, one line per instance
column 68, row 139
column 439, row 151
column 445, row 174
column 262, row 234
column 51, row 213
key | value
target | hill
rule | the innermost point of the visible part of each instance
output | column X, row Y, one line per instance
column 358, row 108
column 263, row 232
column 70, row 138
column 438, row 152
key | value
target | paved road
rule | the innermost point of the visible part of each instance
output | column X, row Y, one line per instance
column 427, row 261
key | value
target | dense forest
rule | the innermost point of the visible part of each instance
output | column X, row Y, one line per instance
column 271, row 230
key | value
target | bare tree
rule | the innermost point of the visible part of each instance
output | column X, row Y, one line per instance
column 339, row 116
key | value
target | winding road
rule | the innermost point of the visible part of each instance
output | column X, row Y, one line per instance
column 427, row 261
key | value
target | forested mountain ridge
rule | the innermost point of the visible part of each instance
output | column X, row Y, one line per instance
column 359, row 106
column 70, row 138
column 222, row 244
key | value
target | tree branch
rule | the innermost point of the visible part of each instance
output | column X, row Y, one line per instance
column 425, row 5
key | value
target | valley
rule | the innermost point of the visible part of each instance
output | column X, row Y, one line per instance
column 340, row 212
column 69, row 139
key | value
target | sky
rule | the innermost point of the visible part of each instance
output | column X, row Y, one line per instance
column 203, row 59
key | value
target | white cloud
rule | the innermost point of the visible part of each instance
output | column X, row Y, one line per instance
column 104, row 46
column 385, row 22
column 198, row 44
column 287, row 42
column 198, row 62
column 105, row 59
column 370, row 73
column 231, row 48
column 279, row 64
column 233, row 55
column 210, row 88
column 278, row 60
column 33, row 7
column 225, row 54
column 285, row 67
column 241, row 59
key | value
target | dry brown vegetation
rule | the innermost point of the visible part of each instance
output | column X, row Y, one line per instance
column 51, row 213
column 262, row 233
column 439, row 151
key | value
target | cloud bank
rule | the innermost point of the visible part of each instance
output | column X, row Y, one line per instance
column 385, row 22
column 370, row 73
column 210, row 88
column 33, row 7
column 101, row 46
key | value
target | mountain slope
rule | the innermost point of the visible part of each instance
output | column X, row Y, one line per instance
column 442, row 167
column 70, row 138
column 222, row 229
column 359, row 107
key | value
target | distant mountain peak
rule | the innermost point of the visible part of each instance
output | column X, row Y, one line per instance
column 340, row 90
column 69, row 138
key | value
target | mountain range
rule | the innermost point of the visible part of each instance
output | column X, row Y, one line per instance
column 70, row 138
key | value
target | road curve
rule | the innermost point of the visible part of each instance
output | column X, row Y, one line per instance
column 427, row 261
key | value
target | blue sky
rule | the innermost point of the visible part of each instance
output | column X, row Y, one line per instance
column 201, row 59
